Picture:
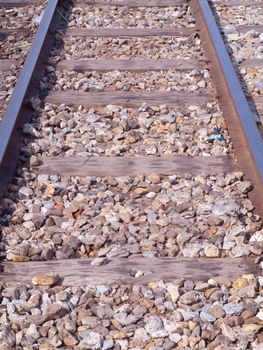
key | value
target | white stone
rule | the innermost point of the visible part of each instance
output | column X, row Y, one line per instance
column 92, row 341
column 175, row 337
column 32, row 331
column 140, row 333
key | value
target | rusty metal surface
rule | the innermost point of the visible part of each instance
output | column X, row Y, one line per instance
column 245, row 135
column 17, row 113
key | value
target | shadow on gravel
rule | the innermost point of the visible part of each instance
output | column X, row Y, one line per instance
column 45, row 79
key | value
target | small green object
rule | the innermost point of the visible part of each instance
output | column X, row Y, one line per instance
column 61, row 14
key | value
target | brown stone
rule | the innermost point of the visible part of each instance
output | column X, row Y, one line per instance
column 240, row 283
column 248, row 314
column 120, row 335
column 54, row 311
column 217, row 311
column 45, row 280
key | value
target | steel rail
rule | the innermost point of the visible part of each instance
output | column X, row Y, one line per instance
column 17, row 113
column 245, row 135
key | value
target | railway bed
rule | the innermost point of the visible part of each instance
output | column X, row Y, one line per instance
column 131, row 165
column 16, row 35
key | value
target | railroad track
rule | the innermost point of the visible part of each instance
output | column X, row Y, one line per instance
column 16, row 34
column 131, row 166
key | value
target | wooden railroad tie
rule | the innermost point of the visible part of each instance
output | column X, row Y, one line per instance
column 146, row 32
column 79, row 272
column 133, row 166
column 129, row 32
column 134, row 65
column 7, row 64
column 129, row 3
column 128, row 99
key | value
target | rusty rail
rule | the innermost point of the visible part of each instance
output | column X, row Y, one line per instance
column 244, row 132
column 17, row 113
column 245, row 135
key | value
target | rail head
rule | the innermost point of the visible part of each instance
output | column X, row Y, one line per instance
column 16, row 113
column 244, row 132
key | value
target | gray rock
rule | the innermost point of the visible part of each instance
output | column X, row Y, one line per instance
column 169, row 305
column 30, row 130
column 54, row 311
column 153, row 325
column 74, row 300
column 183, row 237
column 175, row 337
column 240, row 250
column 102, row 311
column 102, row 289
column 99, row 261
column 133, row 248
column 149, row 254
column 139, row 310
column 48, row 253
column 171, row 325
column 70, row 324
column 188, row 315
column 233, row 308
column 245, row 186
column 7, row 337
column 224, row 207
column 120, row 317
column 125, row 319
column 168, row 344
column 190, row 298
column 69, row 339
column 22, row 249
column 120, row 252
column 25, row 192
column 90, row 321
column 103, row 251
column 140, row 333
column 217, row 311
column 205, row 315
column 227, row 245
column 192, row 250
column 38, row 220
column 130, row 319
column 107, row 344
column 246, row 292
column 91, row 341
column 10, row 292
column 32, row 331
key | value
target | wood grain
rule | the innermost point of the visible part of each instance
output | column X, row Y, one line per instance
column 252, row 63
column 258, row 100
column 248, row 28
column 136, row 65
column 79, row 272
column 256, row 104
column 7, row 64
column 238, row 3
column 133, row 166
column 17, row 32
column 129, row 32
column 129, row 3
column 18, row 3
column 128, row 99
